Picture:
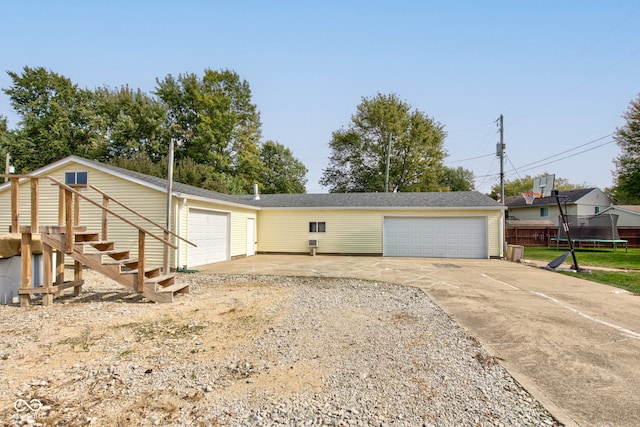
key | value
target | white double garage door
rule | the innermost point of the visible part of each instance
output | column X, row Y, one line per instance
column 441, row 237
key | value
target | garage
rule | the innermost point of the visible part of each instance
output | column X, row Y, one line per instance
column 444, row 237
column 210, row 231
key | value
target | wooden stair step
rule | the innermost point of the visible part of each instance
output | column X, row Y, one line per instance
column 60, row 229
column 176, row 287
column 86, row 236
column 95, row 243
column 113, row 253
column 98, row 245
column 159, row 297
column 101, row 255
column 124, row 262
column 159, row 279
column 146, row 271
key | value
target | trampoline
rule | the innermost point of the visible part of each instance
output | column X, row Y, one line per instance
column 595, row 231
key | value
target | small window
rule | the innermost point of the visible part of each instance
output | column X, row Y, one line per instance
column 544, row 212
column 597, row 210
column 317, row 227
column 76, row 179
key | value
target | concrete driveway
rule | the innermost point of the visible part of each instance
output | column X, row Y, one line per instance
column 574, row 344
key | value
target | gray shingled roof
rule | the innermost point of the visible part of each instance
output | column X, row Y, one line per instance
column 460, row 199
column 569, row 196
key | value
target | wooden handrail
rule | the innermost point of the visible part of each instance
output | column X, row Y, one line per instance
column 79, row 194
column 140, row 215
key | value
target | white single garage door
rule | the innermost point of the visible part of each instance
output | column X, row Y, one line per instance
column 210, row 231
column 456, row 237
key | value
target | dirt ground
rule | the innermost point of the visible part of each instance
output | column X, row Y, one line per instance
column 240, row 350
column 43, row 345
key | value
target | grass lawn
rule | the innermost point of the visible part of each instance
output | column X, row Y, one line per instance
column 628, row 280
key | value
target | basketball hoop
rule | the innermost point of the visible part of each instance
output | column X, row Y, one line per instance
column 529, row 196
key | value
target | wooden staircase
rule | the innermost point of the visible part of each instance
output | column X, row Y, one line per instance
column 87, row 248
column 103, row 257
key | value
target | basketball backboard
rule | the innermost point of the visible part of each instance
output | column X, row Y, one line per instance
column 544, row 185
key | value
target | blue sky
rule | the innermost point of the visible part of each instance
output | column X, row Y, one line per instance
column 561, row 72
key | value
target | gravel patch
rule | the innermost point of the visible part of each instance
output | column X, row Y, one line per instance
column 253, row 351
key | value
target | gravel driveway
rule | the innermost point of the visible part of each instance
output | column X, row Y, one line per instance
column 248, row 350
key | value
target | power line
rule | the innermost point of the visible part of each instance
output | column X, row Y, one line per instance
column 514, row 168
column 470, row 158
column 553, row 159
column 569, row 150
column 565, row 157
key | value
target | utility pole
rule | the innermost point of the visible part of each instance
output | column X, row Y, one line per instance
column 165, row 255
column 386, row 173
column 6, row 167
column 500, row 154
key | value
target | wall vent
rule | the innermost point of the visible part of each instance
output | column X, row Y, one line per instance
column 313, row 243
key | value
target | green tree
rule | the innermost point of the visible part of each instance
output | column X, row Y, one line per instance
column 358, row 158
column 282, row 172
column 456, row 179
column 141, row 162
column 518, row 186
column 216, row 122
column 132, row 123
column 188, row 171
column 626, row 189
column 56, row 119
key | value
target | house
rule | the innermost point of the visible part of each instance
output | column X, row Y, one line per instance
column 223, row 227
column 628, row 215
column 441, row 225
column 583, row 202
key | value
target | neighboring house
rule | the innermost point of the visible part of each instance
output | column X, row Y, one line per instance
column 628, row 215
column 583, row 202
column 443, row 225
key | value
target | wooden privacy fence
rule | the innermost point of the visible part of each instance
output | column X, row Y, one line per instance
column 530, row 236
column 631, row 235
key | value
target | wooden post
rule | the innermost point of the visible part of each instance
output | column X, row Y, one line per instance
column 34, row 204
column 76, row 209
column 61, row 205
column 165, row 253
column 15, row 205
column 25, row 280
column 59, row 267
column 141, row 266
column 47, row 279
column 77, row 277
column 105, row 218
column 68, row 220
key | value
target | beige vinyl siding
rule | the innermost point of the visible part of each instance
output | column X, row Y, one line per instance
column 587, row 204
column 239, row 231
column 348, row 231
column 238, row 225
column 495, row 222
column 533, row 213
column 147, row 202
column 625, row 219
